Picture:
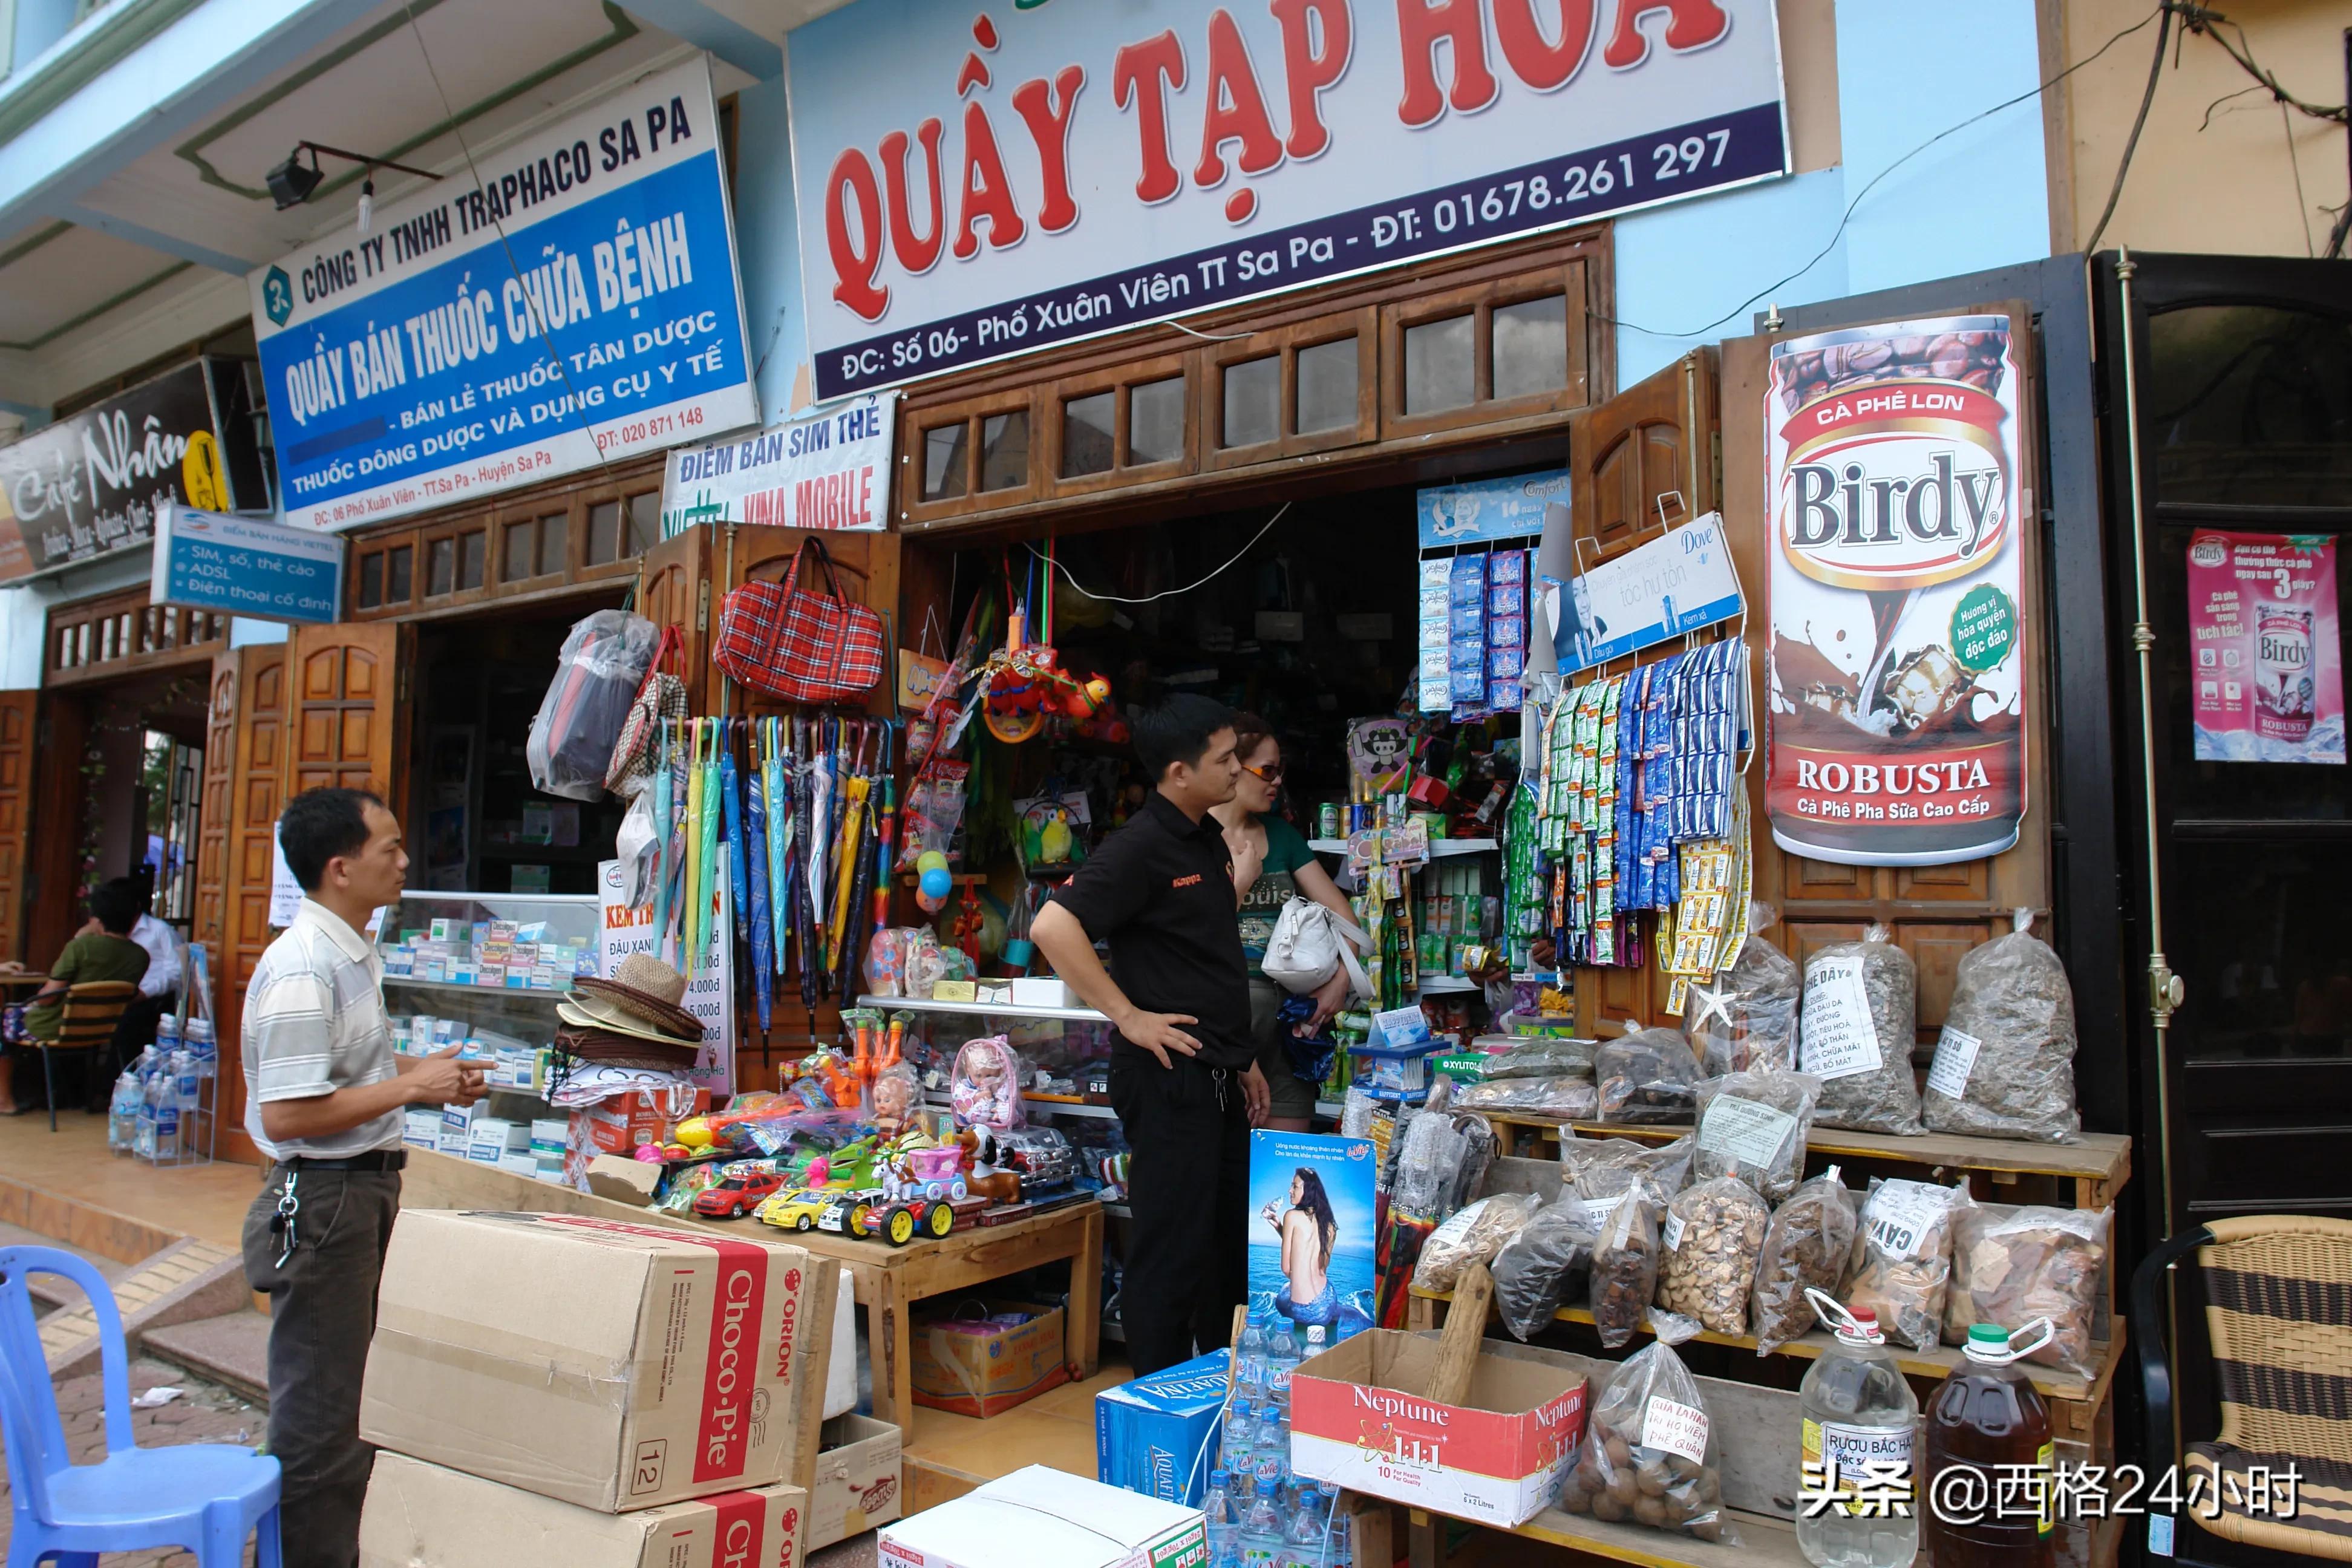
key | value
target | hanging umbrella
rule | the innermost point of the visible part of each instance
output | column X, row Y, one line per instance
column 757, row 849
column 775, row 766
column 885, row 829
column 664, row 837
column 690, row 956
column 853, row 825
column 707, row 868
column 730, row 790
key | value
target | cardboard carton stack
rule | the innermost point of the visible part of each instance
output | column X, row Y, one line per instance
column 560, row 1388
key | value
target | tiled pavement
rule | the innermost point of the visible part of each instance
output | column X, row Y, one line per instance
column 203, row 1415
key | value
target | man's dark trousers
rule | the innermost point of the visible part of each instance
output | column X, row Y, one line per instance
column 1188, row 1185
column 321, row 1317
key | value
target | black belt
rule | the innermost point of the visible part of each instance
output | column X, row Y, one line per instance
column 381, row 1159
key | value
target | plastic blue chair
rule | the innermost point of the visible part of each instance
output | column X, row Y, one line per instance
column 204, row 1497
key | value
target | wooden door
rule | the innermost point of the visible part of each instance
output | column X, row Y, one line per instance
column 244, row 759
column 674, row 591
column 867, row 565
column 19, row 726
column 1643, row 461
column 349, row 708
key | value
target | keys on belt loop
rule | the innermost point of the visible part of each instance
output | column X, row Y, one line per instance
column 281, row 1224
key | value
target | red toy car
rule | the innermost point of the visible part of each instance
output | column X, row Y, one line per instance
column 736, row 1195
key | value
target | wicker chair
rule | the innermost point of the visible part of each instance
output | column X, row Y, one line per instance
column 2279, row 1313
column 93, row 1012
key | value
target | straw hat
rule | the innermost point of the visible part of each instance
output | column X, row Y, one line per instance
column 606, row 1048
column 641, row 999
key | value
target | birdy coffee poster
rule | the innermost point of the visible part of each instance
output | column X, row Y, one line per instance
column 2266, row 653
column 1310, row 1232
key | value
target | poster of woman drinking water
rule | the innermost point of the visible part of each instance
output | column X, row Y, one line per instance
column 1310, row 1257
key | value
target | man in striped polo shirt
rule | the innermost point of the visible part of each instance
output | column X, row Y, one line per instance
column 323, row 1097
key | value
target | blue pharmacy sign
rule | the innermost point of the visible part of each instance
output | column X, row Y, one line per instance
column 238, row 566
column 577, row 304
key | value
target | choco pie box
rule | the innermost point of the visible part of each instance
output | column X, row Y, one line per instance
column 1361, row 1415
column 611, row 1366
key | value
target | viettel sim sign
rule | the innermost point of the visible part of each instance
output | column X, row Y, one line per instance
column 612, row 1365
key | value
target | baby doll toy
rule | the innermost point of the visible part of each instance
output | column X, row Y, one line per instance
column 986, row 1090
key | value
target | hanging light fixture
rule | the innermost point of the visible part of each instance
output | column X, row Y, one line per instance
column 367, row 202
column 292, row 182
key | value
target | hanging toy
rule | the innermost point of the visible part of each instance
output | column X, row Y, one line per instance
column 933, row 882
column 1025, row 681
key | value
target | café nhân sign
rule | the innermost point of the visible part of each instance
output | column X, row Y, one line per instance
column 979, row 180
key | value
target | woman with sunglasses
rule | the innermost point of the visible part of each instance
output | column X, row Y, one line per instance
column 1286, row 866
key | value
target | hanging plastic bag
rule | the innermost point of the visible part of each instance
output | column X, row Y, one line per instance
column 638, row 848
column 1650, row 1453
column 1745, row 1019
column 2005, row 1064
column 597, row 675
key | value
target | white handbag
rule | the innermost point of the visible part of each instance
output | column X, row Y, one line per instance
column 1309, row 946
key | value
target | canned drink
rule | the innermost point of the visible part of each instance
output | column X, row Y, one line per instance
column 2282, row 685
column 1327, row 820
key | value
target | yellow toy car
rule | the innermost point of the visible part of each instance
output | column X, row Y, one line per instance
column 798, row 1209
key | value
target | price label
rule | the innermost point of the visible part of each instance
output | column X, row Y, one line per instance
column 1956, row 1057
column 1677, row 1428
column 1839, row 1038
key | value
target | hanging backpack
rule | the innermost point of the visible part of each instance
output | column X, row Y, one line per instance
column 661, row 696
column 800, row 645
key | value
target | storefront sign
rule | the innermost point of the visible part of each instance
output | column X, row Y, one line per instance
column 709, row 991
column 1489, row 510
column 264, row 571
column 978, row 181
column 1897, row 661
column 1669, row 586
column 832, row 471
column 581, row 300
column 2267, row 671
column 91, row 484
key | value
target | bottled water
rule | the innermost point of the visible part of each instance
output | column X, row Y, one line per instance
column 1306, row 1532
column 1225, row 1521
column 1317, row 1343
column 158, row 1123
column 1252, row 1359
column 1272, row 1472
column 1261, row 1525
column 122, row 1112
column 202, row 1049
column 1240, row 1438
column 1281, row 1358
column 187, row 1083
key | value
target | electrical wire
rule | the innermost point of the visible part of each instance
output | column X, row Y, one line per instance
column 1843, row 222
column 2301, row 211
column 1212, row 337
column 2131, row 143
column 1085, row 591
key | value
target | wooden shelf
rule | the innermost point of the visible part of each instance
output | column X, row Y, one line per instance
column 2055, row 1382
column 1763, row 1542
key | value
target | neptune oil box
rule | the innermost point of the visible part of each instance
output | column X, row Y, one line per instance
column 1151, row 1435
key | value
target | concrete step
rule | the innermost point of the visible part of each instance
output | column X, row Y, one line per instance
column 187, row 1280
column 232, row 1350
column 49, row 1292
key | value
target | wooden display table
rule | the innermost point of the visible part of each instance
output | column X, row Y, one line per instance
column 889, row 1280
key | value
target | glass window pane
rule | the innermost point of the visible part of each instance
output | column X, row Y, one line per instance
column 554, row 537
column 645, row 521
column 1155, row 421
column 399, row 573
column 1531, row 347
column 1086, row 434
column 1328, row 384
column 1253, row 402
column 441, row 567
column 370, row 580
column 519, row 552
column 2246, row 405
column 943, row 462
column 1005, row 451
column 1437, row 364
column 472, row 548
column 603, row 532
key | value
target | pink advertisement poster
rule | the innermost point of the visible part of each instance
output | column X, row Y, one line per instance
column 2266, row 668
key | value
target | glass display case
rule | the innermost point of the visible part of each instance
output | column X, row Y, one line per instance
column 486, row 971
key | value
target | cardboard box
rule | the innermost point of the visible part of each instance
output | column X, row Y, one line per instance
column 418, row 1513
column 975, row 1368
column 624, row 1178
column 1149, row 1434
column 857, row 1480
column 1040, row 1518
column 1360, row 1416
column 599, row 1363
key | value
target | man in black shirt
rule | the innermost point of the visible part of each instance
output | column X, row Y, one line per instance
column 1183, row 1075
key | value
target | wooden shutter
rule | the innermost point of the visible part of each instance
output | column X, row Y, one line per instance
column 675, row 592
column 348, row 710
column 245, row 762
column 19, row 718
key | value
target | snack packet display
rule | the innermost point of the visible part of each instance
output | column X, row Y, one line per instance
column 1859, row 1021
column 2011, row 1265
column 1806, row 1246
column 1753, row 1125
column 2004, row 1066
column 1545, row 1264
column 1745, row 1019
column 1903, row 1257
column 1649, row 1453
column 1647, row 1076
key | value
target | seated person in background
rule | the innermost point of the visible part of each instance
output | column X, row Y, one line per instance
column 157, row 989
column 106, row 952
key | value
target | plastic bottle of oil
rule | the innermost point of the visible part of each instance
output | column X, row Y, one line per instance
column 1988, row 1414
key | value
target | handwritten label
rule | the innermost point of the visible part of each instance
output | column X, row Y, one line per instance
column 1839, row 1040
column 1674, row 1428
column 1752, row 1134
column 1902, row 1215
column 1674, row 1238
column 1956, row 1056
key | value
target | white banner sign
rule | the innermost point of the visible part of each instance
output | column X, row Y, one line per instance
column 979, row 180
column 579, row 303
column 829, row 471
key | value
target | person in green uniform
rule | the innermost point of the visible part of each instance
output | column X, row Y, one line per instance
column 100, row 950
column 1286, row 867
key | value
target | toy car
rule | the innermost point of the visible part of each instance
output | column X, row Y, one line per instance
column 874, row 1214
column 732, row 1197
column 797, row 1209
